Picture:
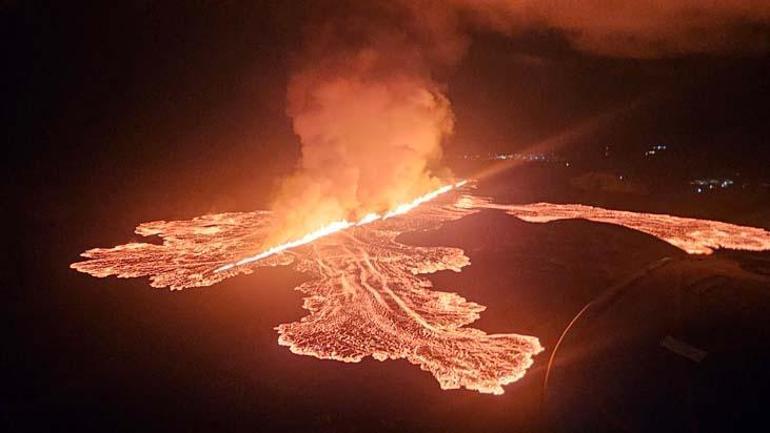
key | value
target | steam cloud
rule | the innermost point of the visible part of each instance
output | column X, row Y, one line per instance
column 368, row 103
column 369, row 114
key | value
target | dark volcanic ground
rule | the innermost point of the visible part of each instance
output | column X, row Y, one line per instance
column 115, row 355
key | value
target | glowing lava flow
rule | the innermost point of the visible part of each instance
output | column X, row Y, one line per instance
column 365, row 295
column 337, row 226
column 695, row 236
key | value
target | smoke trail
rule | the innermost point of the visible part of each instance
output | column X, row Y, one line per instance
column 371, row 113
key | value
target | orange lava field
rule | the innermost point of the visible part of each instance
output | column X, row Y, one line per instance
column 695, row 236
column 366, row 295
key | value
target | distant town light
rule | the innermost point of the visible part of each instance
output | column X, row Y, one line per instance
column 711, row 184
column 655, row 149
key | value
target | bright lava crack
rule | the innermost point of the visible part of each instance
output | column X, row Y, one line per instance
column 342, row 225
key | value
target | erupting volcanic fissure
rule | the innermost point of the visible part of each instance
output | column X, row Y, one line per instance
column 366, row 296
column 342, row 225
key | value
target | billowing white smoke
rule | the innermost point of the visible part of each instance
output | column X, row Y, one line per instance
column 370, row 117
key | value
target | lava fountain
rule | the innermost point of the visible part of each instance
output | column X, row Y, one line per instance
column 367, row 295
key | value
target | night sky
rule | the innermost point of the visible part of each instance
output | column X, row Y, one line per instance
column 187, row 99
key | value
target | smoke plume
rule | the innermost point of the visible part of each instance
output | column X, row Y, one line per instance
column 367, row 95
column 369, row 114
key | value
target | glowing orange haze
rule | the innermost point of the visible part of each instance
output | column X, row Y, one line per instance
column 367, row 145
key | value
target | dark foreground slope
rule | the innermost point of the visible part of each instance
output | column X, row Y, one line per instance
column 671, row 342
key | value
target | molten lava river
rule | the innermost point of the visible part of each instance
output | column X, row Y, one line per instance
column 367, row 295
